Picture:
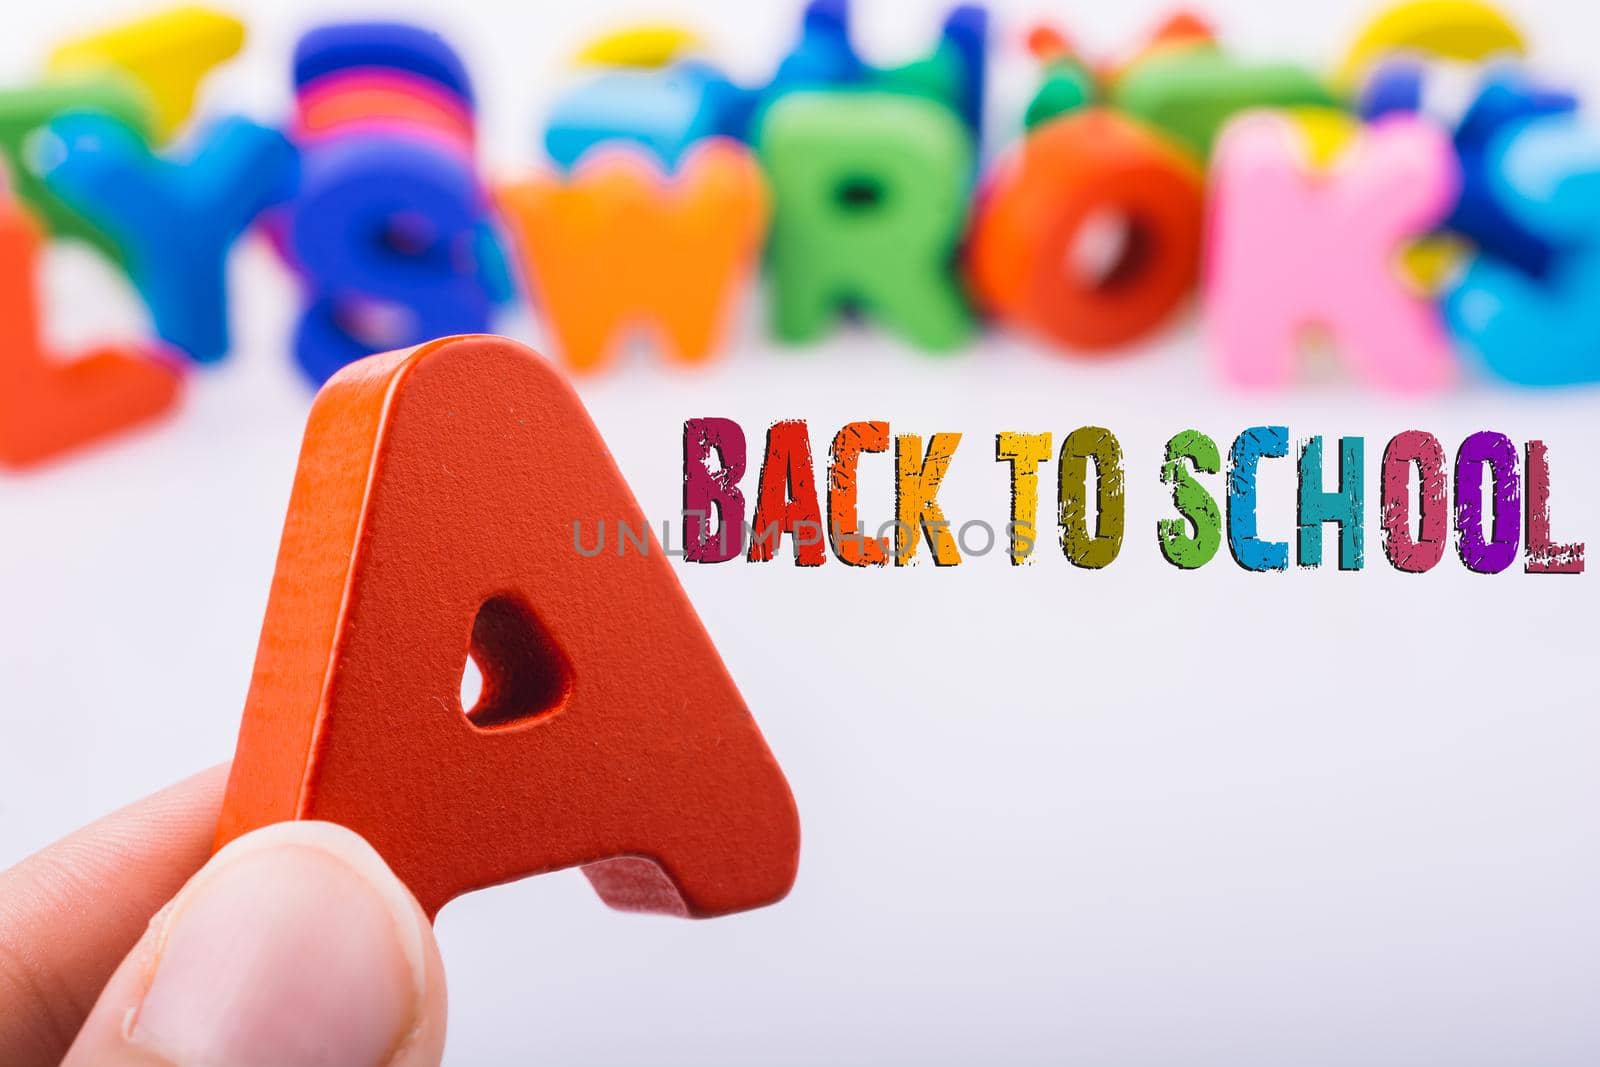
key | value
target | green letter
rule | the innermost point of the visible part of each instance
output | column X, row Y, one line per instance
column 1193, row 502
column 870, row 195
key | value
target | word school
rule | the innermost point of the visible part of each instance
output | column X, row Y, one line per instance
column 1415, row 524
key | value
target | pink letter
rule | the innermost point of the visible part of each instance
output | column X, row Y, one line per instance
column 1544, row 555
column 1292, row 248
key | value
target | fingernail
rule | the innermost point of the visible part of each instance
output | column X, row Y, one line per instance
column 295, row 947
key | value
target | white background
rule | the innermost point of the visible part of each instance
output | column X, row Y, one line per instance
column 1128, row 818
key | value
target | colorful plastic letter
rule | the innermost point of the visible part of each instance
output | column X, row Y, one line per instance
column 619, row 245
column 1181, row 31
column 1042, row 202
column 384, row 101
column 1292, row 249
column 1464, row 30
column 432, row 520
column 1504, row 98
column 48, row 406
column 391, row 224
column 826, row 58
column 1068, row 84
column 964, row 38
column 869, row 198
column 666, row 112
column 1523, row 328
column 387, row 230
column 25, row 114
column 174, row 222
column 348, row 46
column 166, row 55
column 647, row 46
column 1190, row 93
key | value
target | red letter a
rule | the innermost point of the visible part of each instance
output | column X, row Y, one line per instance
column 788, row 501
column 432, row 518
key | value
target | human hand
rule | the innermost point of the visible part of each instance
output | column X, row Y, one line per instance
column 123, row 944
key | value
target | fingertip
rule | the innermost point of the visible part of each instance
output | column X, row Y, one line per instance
column 295, row 946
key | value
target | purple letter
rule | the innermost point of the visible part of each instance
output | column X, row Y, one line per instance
column 1496, row 554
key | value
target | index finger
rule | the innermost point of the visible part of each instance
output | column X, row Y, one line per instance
column 69, row 913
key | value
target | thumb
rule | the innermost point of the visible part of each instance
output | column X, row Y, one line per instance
column 295, row 946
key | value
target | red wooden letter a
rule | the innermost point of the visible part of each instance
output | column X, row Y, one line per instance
column 432, row 518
